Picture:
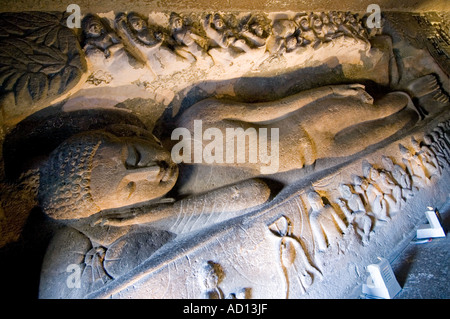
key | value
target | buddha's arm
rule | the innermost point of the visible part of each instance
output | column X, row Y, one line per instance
column 201, row 210
column 211, row 109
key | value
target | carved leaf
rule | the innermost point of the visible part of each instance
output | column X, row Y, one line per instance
column 10, row 82
column 52, row 36
column 39, row 56
column 37, row 85
column 68, row 74
column 21, row 87
column 52, row 68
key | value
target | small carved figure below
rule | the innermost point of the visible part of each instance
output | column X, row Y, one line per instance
column 326, row 225
column 210, row 276
column 414, row 167
column 388, row 191
column 353, row 208
column 400, row 176
column 428, row 159
column 296, row 266
column 373, row 196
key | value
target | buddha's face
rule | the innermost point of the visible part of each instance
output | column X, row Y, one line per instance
column 131, row 171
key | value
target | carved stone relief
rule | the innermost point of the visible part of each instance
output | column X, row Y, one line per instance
column 343, row 132
column 41, row 60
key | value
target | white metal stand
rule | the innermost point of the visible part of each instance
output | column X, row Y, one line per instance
column 382, row 282
column 433, row 229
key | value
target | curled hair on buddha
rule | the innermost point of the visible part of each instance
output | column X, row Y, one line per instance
column 64, row 190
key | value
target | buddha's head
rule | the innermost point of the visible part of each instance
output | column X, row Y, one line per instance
column 97, row 171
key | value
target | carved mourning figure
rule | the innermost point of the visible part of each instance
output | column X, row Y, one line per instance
column 186, row 41
column 330, row 30
column 327, row 227
column 256, row 31
column 225, row 44
column 296, row 266
column 284, row 35
column 149, row 44
column 307, row 33
column 210, row 276
column 108, row 57
column 318, row 28
column 400, row 176
column 391, row 191
column 414, row 167
column 355, row 211
column 374, row 198
column 428, row 159
column 97, row 37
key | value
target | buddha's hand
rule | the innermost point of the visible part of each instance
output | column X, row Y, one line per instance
column 352, row 90
column 117, row 220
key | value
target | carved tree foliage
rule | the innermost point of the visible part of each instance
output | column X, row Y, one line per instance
column 39, row 56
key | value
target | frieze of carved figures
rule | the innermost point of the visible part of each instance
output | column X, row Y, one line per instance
column 40, row 60
column 376, row 196
column 215, row 39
